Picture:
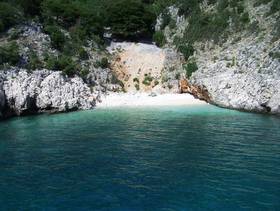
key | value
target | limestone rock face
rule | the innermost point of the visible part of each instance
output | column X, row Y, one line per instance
column 21, row 89
column 251, row 92
column 42, row 91
column 2, row 97
column 103, row 80
column 241, row 71
column 61, row 93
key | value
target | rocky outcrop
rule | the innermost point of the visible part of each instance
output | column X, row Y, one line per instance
column 61, row 93
column 197, row 91
column 103, row 80
column 250, row 92
column 240, row 72
column 44, row 91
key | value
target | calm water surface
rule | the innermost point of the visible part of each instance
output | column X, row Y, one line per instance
column 166, row 158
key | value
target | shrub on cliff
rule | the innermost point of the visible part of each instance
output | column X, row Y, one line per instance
column 58, row 39
column 159, row 38
column 190, row 68
column 31, row 7
column 275, row 7
column 103, row 63
column 34, row 62
column 63, row 63
column 9, row 53
column 9, row 16
column 187, row 50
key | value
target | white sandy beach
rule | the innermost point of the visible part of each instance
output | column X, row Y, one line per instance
column 145, row 99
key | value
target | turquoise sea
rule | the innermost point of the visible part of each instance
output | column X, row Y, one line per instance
column 161, row 158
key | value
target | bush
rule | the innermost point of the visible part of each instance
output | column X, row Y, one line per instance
column 159, row 38
column 63, row 12
column 190, row 68
column 103, row 63
column 129, row 18
column 9, row 16
column 34, row 61
column 31, row 7
column 58, row 39
column 9, row 53
column 147, row 80
column 136, row 80
column 187, row 50
column 166, row 19
column 275, row 7
column 63, row 63
column 137, row 87
column 83, row 54
column 245, row 18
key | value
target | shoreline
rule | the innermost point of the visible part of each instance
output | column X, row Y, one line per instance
column 146, row 99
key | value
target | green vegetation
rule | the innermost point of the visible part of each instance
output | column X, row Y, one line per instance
column 159, row 38
column 275, row 5
column 129, row 18
column 63, row 63
column 58, row 38
column 135, row 80
column 137, row 86
column 190, row 68
column 34, row 62
column 9, row 16
column 9, row 53
column 83, row 54
column 275, row 55
column 166, row 19
column 147, row 80
column 103, row 63
column 187, row 50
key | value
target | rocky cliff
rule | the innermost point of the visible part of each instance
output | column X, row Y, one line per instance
column 30, row 86
column 243, row 70
column 43, row 91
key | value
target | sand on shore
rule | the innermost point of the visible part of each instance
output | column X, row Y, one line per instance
column 145, row 99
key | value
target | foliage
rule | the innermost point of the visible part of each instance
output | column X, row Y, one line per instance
column 63, row 63
column 129, row 18
column 187, row 50
column 245, row 18
column 136, row 80
column 213, row 25
column 31, row 7
column 159, row 38
column 58, row 38
column 166, row 19
column 83, row 54
column 115, row 80
column 9, row 16
column 147, row 80
column 275, row 55
column 9, row 53
column 190, row 68
column 34, row 62
column 137, row 86
column 103, row 63
column 63, row 12
column 275, row 7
